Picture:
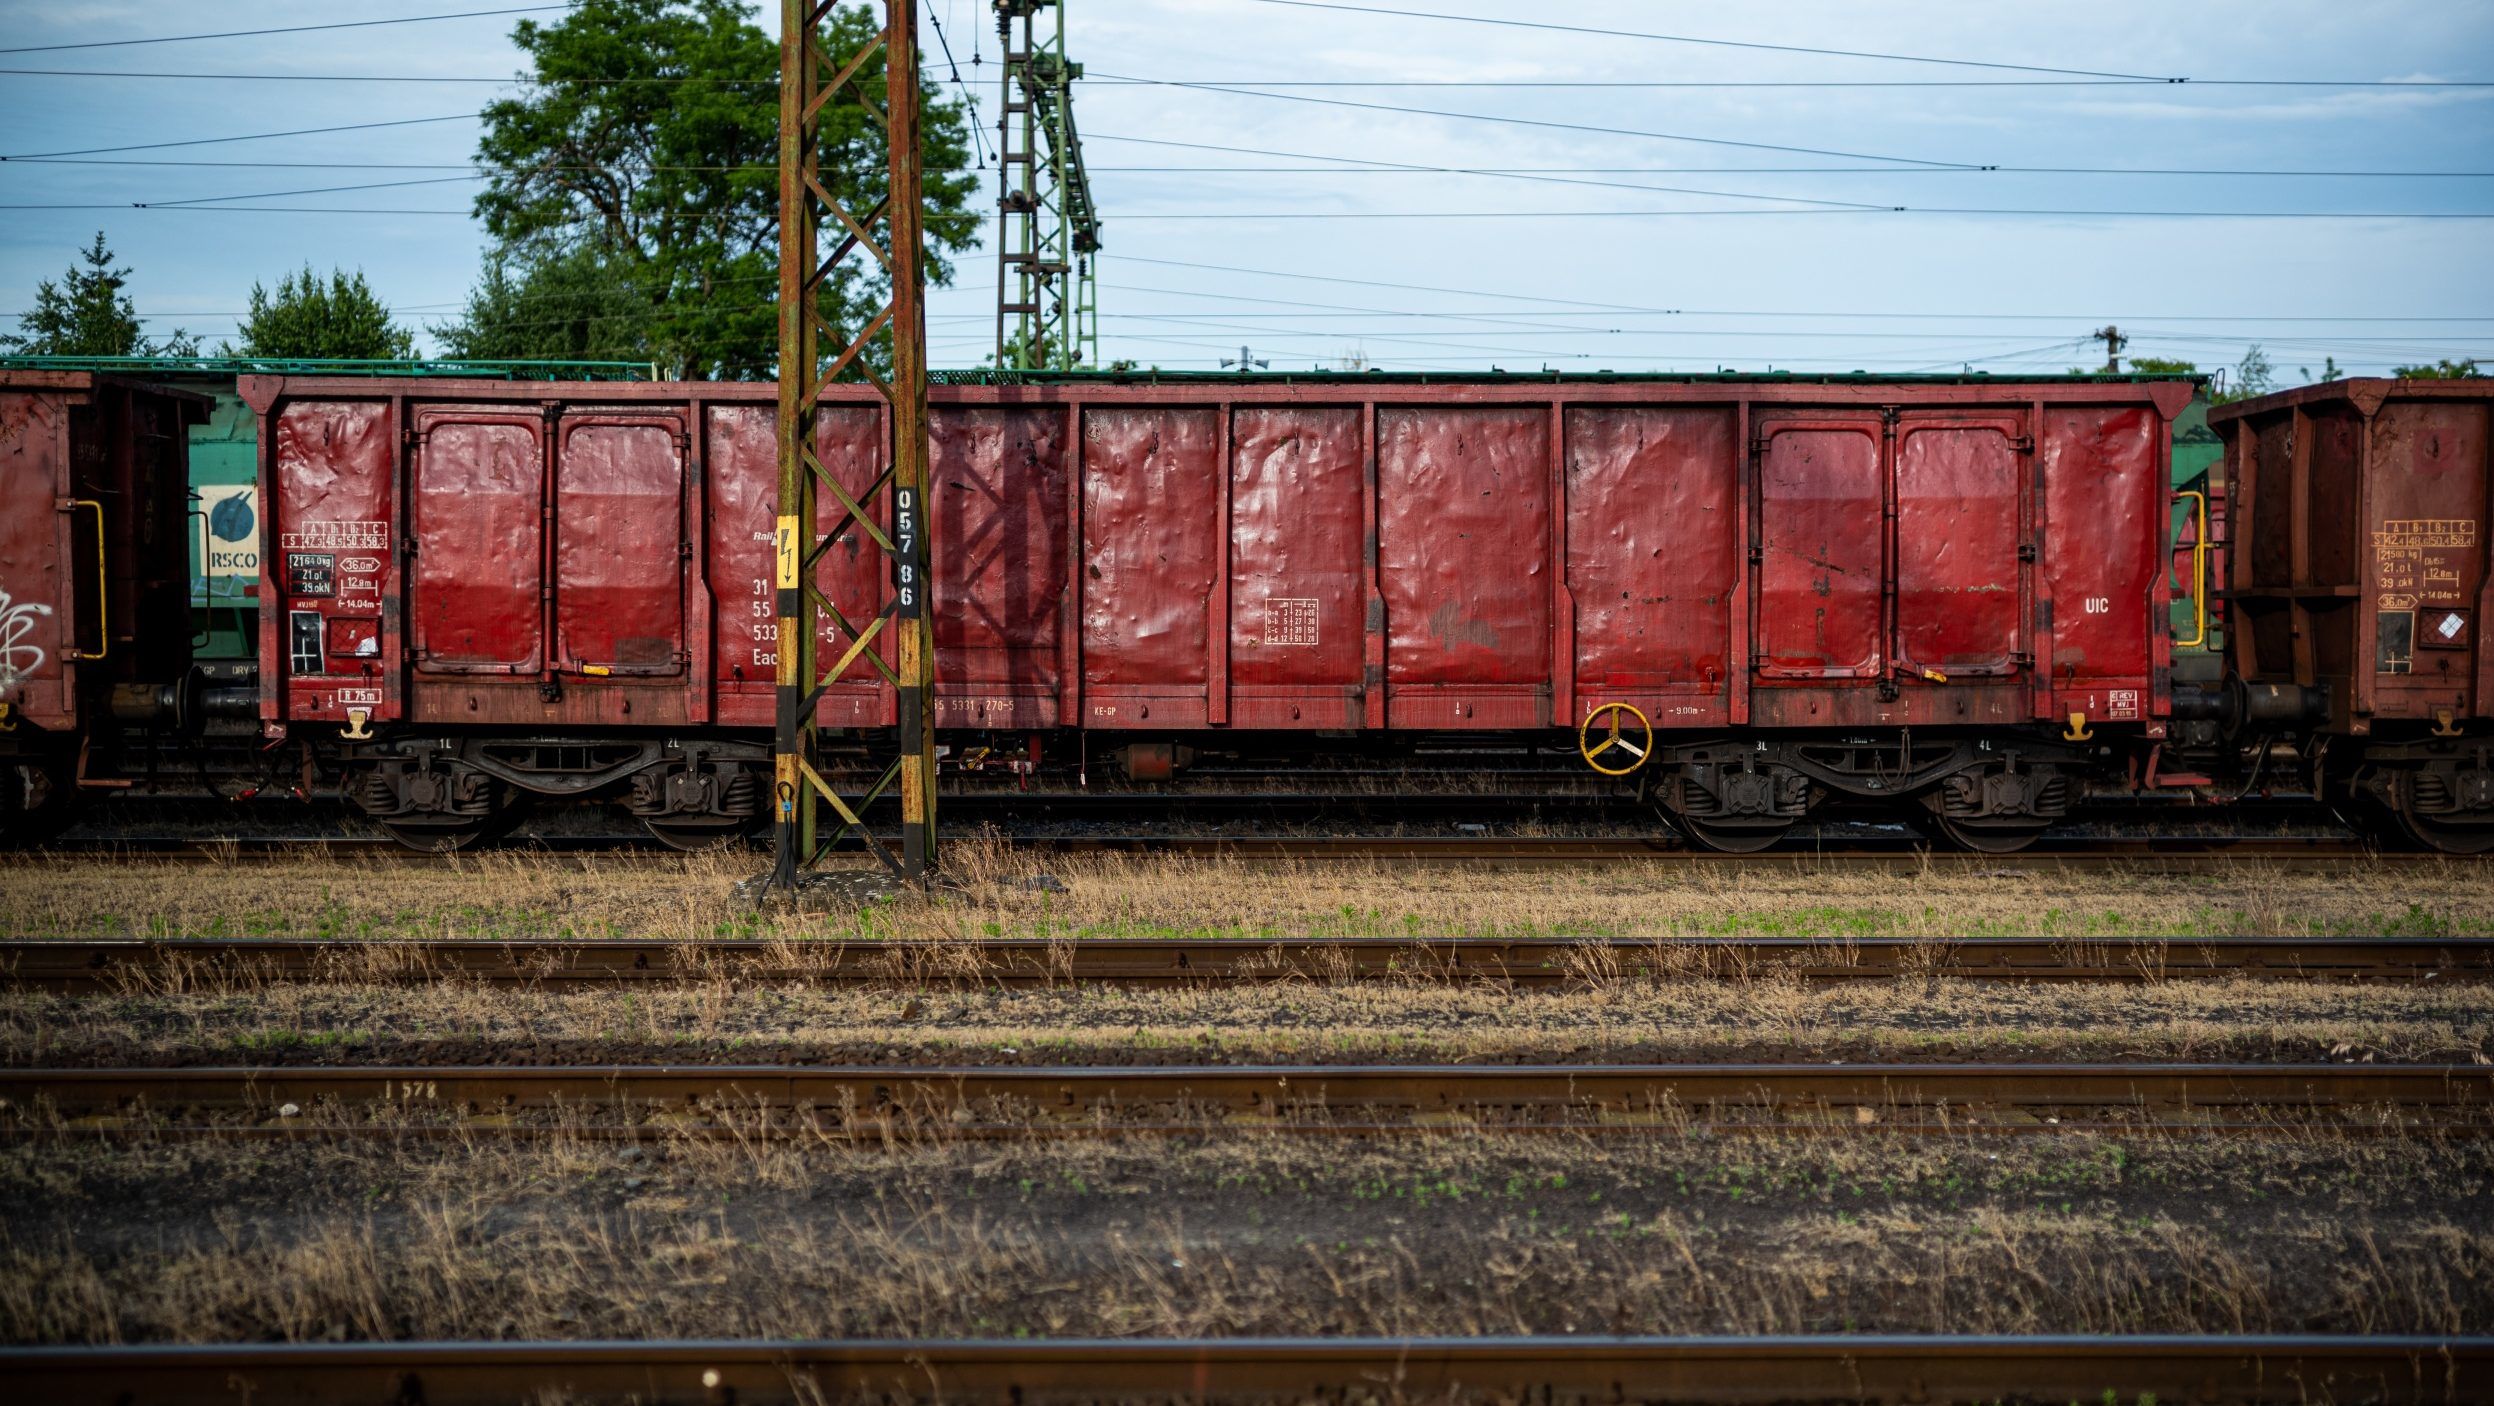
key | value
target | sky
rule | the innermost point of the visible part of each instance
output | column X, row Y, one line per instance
column 1779, row 243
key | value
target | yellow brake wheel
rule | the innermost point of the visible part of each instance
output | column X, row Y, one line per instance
column 1614, row 754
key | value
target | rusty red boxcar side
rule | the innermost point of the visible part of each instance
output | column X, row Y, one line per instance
column 94, row 597
column 2357, row 597
column 1733, row 559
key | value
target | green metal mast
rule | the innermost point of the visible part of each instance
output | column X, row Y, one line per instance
column 1047, row 307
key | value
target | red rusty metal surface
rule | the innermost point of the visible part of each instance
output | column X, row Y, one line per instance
column 1151, row 478
column 741, row 483
column 1463, row 547
column 2365, row 565
column 40, row 603
column 1537, row 548
column 740, row 486
column 1653, row 550
column 334, row 521
column 1821, row 587
column 2425, row 517
column 478, row 521
column 1960, row 590
column 1297, row 581
column 620, row 547
column 2105, row 485
column 997, row 486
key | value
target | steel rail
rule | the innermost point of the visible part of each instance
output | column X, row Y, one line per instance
column 2167, row 854
column 86, row 965
column 876, row 1100
column 2221, row 1371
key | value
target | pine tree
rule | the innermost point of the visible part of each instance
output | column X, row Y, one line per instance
column 87, row 314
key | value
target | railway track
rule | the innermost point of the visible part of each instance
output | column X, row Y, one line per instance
column 2167, row 854
column 92, row 965
column 874, row 1102
column 2218, row 1371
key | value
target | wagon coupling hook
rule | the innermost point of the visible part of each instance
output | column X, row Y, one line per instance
column 355, row 729
column 1602, row 755
column 2077, row 731
column 2442, row 724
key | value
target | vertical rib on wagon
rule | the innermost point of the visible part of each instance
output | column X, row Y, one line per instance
column 810, row 79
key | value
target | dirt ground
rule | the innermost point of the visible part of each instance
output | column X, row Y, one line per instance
column 1244, row 1234
column 998, row 891
column 1357, row 1022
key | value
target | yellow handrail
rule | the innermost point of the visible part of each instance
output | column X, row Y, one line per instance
column 2199, row 572
column 103, row 586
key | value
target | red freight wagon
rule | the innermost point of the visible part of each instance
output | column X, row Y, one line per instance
column 94, row 590
column 1934, row 588
column 2357, row 606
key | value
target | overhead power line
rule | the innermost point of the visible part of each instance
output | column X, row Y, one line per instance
column 1718, row 43
column 1518, row 83
column 1298, row 215
column 281, row 29
column 1555, row 126
column 1373, row 165
column 248, row 137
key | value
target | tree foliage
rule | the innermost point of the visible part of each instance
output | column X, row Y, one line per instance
column 307, row 317
column 574, row 306
column 633, row 193
column 88, row 314
column 2443, row 370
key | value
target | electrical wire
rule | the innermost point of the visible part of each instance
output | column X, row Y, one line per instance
column 283, row 29
column 248, row 137
column 1553, row 126
column 1717, row 43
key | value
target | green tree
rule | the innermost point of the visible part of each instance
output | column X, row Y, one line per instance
column 2443, row 370
column 2254, row 376
column 88, row 314
column 567, row 307
column 2329, row 372
column 310, row 318
column 633, row 194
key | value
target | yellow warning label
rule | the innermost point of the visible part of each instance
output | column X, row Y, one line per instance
column 785, row 538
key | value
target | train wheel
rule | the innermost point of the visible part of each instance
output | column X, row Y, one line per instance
column 1734, row 839
column 2446, row 839
column 451, row 834
column 1990, row 839
column 696, row 835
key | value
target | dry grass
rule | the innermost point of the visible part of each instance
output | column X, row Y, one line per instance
column 520, row 894
column 185, row 1241
column 1624, row 1019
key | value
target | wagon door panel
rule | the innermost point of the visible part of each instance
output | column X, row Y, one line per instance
column 1297, row 582
column 1822, row 518
column 1653, row 547
column 332, row 507
column 2104, row 521
column 1463, row 557
column 1150, row 519
column 477, row 519
column 619, row 548
column 1960, row 595
column 741, row 488
column 997, row 486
